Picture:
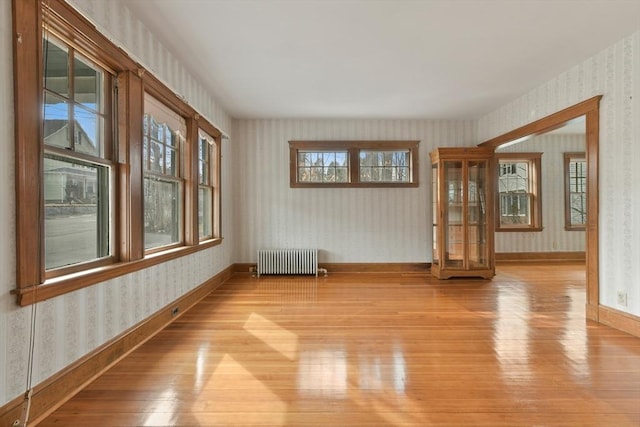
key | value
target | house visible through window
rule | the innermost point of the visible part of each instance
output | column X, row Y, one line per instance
column 519, row 191
column 77, row 158
column 101, row 180
column 354, row 163
column 575, row 171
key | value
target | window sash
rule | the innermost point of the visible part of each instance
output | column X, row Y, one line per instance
column 575, row 171
column 519, row 191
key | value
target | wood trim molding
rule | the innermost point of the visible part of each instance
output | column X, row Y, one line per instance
column 56, row 390
column 546, row 124
column 591, row 109
column 506, row 257
column 619, row 320
column 358, row 267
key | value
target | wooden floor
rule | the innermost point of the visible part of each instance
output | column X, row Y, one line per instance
column 377, row 350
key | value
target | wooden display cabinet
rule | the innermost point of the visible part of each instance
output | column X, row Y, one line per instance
column 462, row 214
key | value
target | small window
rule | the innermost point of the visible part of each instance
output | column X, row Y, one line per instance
column 519, row 192
column 354, row 163
column 575, row 173
column 164, row 136
column 323, row 166
column 207, row 185
column 385, row 166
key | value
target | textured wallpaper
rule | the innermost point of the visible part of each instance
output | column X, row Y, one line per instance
column 346, row 224
column 74, row 324
column 614, row 73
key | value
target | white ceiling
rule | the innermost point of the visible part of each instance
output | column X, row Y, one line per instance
column 439, row 59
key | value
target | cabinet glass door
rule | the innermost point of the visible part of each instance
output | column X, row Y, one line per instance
column 453, row 215
column 434, row 212
column 478, row 174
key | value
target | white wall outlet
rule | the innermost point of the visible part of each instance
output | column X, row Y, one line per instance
column 622, row 298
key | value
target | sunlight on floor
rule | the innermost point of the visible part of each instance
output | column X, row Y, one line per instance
column 242, row 379
column 511, row 337
column 323, row 373
column 165, row 408
column 276, row 337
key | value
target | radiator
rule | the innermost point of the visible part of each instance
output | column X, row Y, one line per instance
column 287, row 261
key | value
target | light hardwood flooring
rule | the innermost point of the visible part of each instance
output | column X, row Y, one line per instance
column 377, row 350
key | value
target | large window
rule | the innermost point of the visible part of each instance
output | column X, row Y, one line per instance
column 353, row 163
column 519, row 192
column 111, row 173
column 162, row 146
column 575, row 175
column 77, row 175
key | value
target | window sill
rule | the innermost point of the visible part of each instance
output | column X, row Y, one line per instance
column 71, row 282
column 518, row 229
column 355, row 185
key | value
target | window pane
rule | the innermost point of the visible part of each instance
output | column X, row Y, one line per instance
column 322, row 166
column 514, row 187
column 515, row 209
column 87, row 84
column 577, row 191
column 156, row 157
column 205, row 145
column 56, row 121
column 171, row 166
column 161, row 212
column 578, row 209
column 76, row 222
column 384, row 166
column 87, row 132
column 56, row 67
column 205, row 217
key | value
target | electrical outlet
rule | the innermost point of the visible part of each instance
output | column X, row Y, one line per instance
column 622, row 298
column 174, row 311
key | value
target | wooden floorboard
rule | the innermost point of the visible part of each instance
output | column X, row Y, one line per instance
column 377, row 350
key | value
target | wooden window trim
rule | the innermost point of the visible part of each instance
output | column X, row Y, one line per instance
column 215, row 155
column 353, row 149
column 535, row 183
column 567, row 192
column 132, row 80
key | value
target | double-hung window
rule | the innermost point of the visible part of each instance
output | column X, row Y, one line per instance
column 519, row 192
column 207, row 185
column 353, row 163
column 77, row 160
column 114, row 171
column 164, row 136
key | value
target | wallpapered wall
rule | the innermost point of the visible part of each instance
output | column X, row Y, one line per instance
column 72, row 325
column 553, row 237
column 346, row 224
column 614, row 73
